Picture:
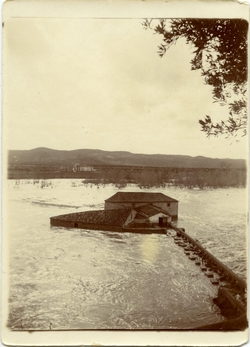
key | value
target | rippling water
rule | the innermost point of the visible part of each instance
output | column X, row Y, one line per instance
column 85, row 279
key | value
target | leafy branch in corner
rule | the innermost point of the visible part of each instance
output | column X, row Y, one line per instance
column 220, row 53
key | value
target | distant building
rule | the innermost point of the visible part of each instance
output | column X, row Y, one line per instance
column 77, row 168
column 125, row 211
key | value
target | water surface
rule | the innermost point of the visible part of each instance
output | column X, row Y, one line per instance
column 85, row 279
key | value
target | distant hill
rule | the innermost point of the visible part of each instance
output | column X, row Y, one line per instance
column 39, row 156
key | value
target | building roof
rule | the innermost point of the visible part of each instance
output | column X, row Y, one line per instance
column 140, row 197
column 149, row 210
column 105, row 217
column 140, row 216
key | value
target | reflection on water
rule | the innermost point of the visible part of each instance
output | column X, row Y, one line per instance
column 84, row 279
column 150, row 248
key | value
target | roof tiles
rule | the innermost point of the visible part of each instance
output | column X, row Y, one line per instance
column 140, row 197
column 149, row 210
column 105, row 217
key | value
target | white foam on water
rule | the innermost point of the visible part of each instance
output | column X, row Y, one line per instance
column 84, row 279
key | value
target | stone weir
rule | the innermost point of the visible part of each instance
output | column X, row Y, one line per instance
column 232, row 297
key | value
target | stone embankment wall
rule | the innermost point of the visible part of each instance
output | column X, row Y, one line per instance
column 80, row 225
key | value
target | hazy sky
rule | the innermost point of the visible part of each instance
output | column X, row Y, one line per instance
column 99, row 83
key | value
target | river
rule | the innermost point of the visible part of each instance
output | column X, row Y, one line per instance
column 83, row 279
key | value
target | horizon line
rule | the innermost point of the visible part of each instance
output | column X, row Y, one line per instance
column 125, row 151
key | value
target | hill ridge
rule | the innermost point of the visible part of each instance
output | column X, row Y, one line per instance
column 44, row 155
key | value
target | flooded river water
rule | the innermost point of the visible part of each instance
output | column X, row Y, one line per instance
column 85, row 279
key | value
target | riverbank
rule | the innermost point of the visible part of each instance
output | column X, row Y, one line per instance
column 144, row 177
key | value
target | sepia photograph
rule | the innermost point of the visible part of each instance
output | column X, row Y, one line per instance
column 125, row 153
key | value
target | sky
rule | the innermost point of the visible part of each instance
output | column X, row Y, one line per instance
column 72, row 83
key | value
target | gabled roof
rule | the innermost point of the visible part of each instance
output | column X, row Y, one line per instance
column 134, row 197
column 140, row 216
column 105, row 217
column 149, row 210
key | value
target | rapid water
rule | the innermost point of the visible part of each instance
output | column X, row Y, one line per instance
column 85, row 279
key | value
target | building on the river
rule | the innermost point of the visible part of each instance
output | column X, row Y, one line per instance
column 123, row 200
column 125, row 211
